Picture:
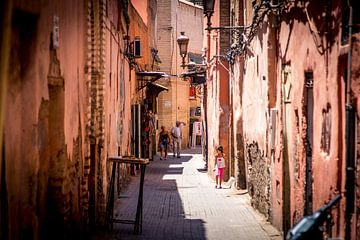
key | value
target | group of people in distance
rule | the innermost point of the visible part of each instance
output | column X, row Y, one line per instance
column 167, row 139
column 173, row 139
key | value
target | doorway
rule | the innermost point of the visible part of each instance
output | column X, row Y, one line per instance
column 309, row 108
column 287, row 137
column 136, row 130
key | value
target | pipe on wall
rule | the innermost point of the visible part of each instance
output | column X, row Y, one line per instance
column 349, row 138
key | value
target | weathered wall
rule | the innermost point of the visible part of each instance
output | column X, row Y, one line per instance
column 236, row 91
column 218, row 87
column 43, row 132
column 254, row 107
column 117, row 86
column 237, row 123
column 5, row 37
column 138, row 29
column 62, row 115
column 301, row 55
column 272, row 81
column 212, row 116
column 118, row 91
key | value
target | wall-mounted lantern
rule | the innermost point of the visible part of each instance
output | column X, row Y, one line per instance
column 209, row 10
column 183, row 42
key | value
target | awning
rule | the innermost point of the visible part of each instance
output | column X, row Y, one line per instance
column 147, row 79
column 155, row 88
column 197, row 77
column 150, row 76
column 192, row 73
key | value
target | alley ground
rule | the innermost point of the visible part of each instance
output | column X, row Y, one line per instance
column 181, row 202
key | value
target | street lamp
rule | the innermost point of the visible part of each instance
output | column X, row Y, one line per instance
column 209, row 11
column 183, row 42
column 197, row 70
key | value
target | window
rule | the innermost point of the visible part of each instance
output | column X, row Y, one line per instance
column 326, row 130
column 198, row 111
column 137, row 47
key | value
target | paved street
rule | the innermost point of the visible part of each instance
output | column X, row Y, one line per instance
column 181, row 202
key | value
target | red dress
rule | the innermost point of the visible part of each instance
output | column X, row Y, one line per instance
column 220, row 166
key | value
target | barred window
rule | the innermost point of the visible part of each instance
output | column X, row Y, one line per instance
column 326, row 130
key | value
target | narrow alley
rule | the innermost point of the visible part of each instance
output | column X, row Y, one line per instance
column 181, row 202
column 261, row 94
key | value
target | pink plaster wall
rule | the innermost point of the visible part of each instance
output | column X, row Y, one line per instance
column 141, row 7
column 46, row 134
column 217, row 91
column 118, row 92
column 26, row 136
column 298, row 50
column 302, row 54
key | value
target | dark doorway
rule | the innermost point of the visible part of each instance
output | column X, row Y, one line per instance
column 136, row 130
column 287, row 154
column 309, row 108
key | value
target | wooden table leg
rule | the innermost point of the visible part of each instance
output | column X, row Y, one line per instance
column 138, row 219
column 110, row 201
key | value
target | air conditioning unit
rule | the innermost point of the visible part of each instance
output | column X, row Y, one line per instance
column 137, row 47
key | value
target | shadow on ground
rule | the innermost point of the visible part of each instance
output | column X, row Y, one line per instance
column 163, row 214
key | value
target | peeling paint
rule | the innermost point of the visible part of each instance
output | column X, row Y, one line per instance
column 259, row 178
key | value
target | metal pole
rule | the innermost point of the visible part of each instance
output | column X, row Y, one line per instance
column 205, row 95
column 206, row 126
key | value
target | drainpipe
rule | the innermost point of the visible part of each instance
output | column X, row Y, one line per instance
column 205, row 98
column 350, row 139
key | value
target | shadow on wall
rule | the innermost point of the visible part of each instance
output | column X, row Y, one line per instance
column 164, row 216
column 321, row 19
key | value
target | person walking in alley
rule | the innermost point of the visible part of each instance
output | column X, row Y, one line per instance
column 219, row 166
column 164, row 141
column 176, row 136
